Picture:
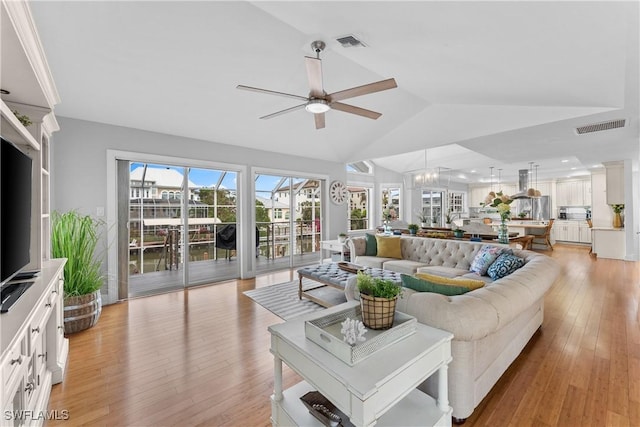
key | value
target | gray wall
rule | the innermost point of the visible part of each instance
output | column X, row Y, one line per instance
column 79, row 164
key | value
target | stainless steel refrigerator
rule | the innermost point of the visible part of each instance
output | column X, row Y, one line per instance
column 535, row 208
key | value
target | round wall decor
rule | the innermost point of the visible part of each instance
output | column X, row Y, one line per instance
column 338, row 192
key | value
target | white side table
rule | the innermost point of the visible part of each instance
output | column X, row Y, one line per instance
column 333, row 246
column 381, row 388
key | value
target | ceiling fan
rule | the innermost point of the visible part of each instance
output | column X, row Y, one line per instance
column 319, row 102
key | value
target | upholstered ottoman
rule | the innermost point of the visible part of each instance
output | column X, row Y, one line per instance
column 332, row 275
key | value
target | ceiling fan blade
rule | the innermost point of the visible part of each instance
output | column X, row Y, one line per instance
column 288, row 110
column 271, row 92
column 319, row 119
column 314, row 74
column 355, row 110
column 362, row 90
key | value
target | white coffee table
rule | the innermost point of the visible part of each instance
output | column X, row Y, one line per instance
column 380, row 389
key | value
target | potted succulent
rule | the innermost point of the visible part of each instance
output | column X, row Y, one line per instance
column 413, row 228
column 459, row 233
column 75, row 237
column 378, row 299
column 342, row 237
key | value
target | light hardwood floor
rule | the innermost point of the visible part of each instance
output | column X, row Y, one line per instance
column 201, row 357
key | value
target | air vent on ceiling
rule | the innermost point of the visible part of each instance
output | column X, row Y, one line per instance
column 596, row 127
column 350, row 41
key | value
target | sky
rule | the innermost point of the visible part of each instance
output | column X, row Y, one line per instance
column 210, row 177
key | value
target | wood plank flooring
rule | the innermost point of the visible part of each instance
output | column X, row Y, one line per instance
column 201, row 357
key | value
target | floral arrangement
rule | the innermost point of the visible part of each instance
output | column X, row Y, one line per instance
column 501, row 202
column 617, row 208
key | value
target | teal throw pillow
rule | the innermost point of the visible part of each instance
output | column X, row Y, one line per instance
column 371, row 248
column 421, row 285
column 504, row 265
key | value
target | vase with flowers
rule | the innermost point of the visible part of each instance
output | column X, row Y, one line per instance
column 502, row 203
column 617, row 215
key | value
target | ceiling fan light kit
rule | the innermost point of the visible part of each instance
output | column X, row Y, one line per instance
column 317, row 106
column 319, row 102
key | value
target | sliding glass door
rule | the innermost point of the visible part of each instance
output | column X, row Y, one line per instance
column 181, row 226
column 288, row 221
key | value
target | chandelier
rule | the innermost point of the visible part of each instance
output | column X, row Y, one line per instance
column 428, row 177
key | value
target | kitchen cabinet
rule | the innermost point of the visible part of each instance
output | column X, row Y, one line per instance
column 609, row 242
column 615, row 183
column 573, row 193
column 571, row 231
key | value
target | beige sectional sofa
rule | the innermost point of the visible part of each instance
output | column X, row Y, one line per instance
column 491, row 325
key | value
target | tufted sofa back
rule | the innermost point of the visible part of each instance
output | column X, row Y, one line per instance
column 444, row 252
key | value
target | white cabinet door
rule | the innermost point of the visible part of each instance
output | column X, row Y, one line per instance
column 562, row 194
column 573, row 233
column 477, row 195
column 585, row 234
column 586, row 193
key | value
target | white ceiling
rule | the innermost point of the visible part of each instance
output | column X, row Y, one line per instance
column 490, row 84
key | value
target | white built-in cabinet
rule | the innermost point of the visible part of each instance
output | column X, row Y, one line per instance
column 571, row 231
column 573, row 193
column 33, row 349
column 615, row 182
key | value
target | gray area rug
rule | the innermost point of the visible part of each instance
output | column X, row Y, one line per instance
column 282, row 299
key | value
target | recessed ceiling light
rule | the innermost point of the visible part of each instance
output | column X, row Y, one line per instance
column 473, row 171
column 565, row 161
column 573, row 169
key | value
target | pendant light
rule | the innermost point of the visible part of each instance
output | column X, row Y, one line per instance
column 538, row 193
column 531, row 192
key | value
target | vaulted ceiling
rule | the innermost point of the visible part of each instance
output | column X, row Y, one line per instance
column 480, row 84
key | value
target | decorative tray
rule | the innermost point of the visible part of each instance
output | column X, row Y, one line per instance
column 325, row 331
column 351, row 268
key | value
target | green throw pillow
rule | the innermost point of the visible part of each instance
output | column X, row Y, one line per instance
column 422, row 285
column 371, row 248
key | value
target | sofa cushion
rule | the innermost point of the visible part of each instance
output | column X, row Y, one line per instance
column 389, row 247
column 504, row 265
column 421, row 285
column 402, row 266
column 484, row 258
column 371, row 247
column 471, row 284
column 372, row 261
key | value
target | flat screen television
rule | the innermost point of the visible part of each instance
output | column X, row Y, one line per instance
column 15, row 210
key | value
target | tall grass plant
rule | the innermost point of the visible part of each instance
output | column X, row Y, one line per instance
column 75, row 237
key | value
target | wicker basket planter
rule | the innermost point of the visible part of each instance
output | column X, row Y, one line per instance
column 81, row 312
column 377, row 312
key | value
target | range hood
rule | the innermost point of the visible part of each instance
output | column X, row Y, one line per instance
column 524, row 191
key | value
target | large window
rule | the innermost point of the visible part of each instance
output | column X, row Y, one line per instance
column 432, row 207
column 359, row 208
column 390, row 199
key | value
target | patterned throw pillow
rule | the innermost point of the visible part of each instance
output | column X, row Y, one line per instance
column 421, row 285
column 484, row 258
column 504, row 265
column 371, row 248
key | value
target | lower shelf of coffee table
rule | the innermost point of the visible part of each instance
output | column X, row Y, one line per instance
column 415, row 409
